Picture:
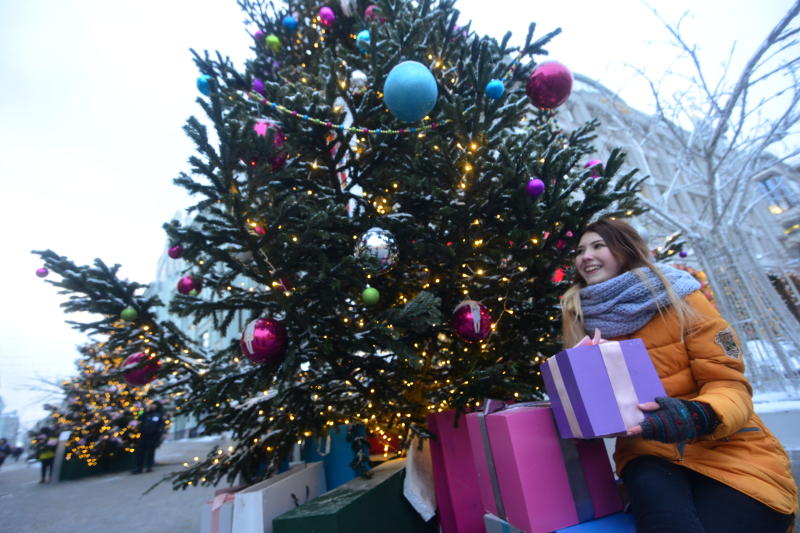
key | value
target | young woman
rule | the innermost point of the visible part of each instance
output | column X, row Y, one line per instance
column 702, row 460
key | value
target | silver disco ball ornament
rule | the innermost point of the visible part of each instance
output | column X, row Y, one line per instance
column 377, row 250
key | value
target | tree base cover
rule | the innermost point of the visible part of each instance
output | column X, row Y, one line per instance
column 360, row 505
column 77, row 469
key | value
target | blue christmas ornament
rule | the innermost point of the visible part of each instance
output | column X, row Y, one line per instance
column 204, row 84
column 290, row 23
column 410, row 91
column 363, row 40
column 495, row 89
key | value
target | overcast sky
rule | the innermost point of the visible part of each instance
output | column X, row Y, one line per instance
column 93, row 95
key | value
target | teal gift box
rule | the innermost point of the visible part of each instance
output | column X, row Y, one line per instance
column 359, row 505
column 336, row 454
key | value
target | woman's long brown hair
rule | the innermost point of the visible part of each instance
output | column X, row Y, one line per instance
column 628, row 247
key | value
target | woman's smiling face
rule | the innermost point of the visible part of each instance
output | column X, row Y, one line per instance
column 594, row 261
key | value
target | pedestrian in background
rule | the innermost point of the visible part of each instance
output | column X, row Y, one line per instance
column 702, row 461
column 46, row 444
column 5, row 450
column 152, row 423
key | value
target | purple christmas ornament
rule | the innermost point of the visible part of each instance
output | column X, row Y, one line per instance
column 327, row 16
column 175, row 252
column 535, row 187
column 258, row 86
column 549, row 85
column 683, row 253
column 472, row 321
column 42, row 272
column 258, row 35
column 264, row 341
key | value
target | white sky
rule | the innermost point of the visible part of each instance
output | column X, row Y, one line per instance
column 93, row 95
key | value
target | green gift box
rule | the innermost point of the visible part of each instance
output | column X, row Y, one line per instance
column 359, row 505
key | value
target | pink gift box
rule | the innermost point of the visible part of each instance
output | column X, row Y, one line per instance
column 542, row 483
column 455, row 479
column 595, row 389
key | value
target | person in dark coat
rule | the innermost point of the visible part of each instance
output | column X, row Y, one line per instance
column 46, row 444
column 152, row 423
column 5, row 450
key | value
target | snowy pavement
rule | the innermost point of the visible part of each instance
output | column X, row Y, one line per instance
column 104, row 504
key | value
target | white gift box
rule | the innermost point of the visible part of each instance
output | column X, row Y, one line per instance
column 256, row 506
column 217, row 516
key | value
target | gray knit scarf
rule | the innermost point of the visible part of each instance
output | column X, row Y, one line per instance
column 621, row 305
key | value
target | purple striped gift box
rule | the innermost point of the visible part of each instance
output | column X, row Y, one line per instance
column 595, row 389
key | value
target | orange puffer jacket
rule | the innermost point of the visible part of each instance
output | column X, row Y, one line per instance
column 707, row 366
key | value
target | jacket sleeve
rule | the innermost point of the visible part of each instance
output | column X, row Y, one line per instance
column 717, row 366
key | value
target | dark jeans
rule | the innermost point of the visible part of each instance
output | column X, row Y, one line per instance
column 146, row 451
column 47, row 468
column 667, row 498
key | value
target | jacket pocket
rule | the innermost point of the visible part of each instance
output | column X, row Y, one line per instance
column 747, row 433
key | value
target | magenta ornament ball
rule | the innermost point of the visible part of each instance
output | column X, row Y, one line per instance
column 145, row 373
column 472, row 321
column 597, row 167
column 549, row 85
column 535, row 187
column 187, row 284
column 42, row 272
column 327, row 16
column 264, row 341
column 175, row 252
column 373, row 13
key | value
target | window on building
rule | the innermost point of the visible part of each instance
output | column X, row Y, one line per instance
column 780, row 194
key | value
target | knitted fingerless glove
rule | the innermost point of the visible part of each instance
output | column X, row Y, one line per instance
column 679, row 421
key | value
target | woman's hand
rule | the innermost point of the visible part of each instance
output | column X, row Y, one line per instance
column 673, row 420
column 646, row 407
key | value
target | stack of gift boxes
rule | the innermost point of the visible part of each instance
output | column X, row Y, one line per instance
column 541, row 467
column 533, row 468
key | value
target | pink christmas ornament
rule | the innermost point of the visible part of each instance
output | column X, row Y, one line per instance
column 261, row 127
column 175, row 252
column 549, row 85
column 327, row 16
column 373, row 13
column 187, row 284
column 264, row 341
column 145, row 373
column 535, row 187
column 472, row 321
column 42, row 272
column 258, row 35
column 597, row 167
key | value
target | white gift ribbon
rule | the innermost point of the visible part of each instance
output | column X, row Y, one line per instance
column 561, row 390
column 621, row 383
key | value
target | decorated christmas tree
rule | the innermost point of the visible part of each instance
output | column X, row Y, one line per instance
column 385, row 197
column 133, row 357
column 99, row 411
column 386, row 203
